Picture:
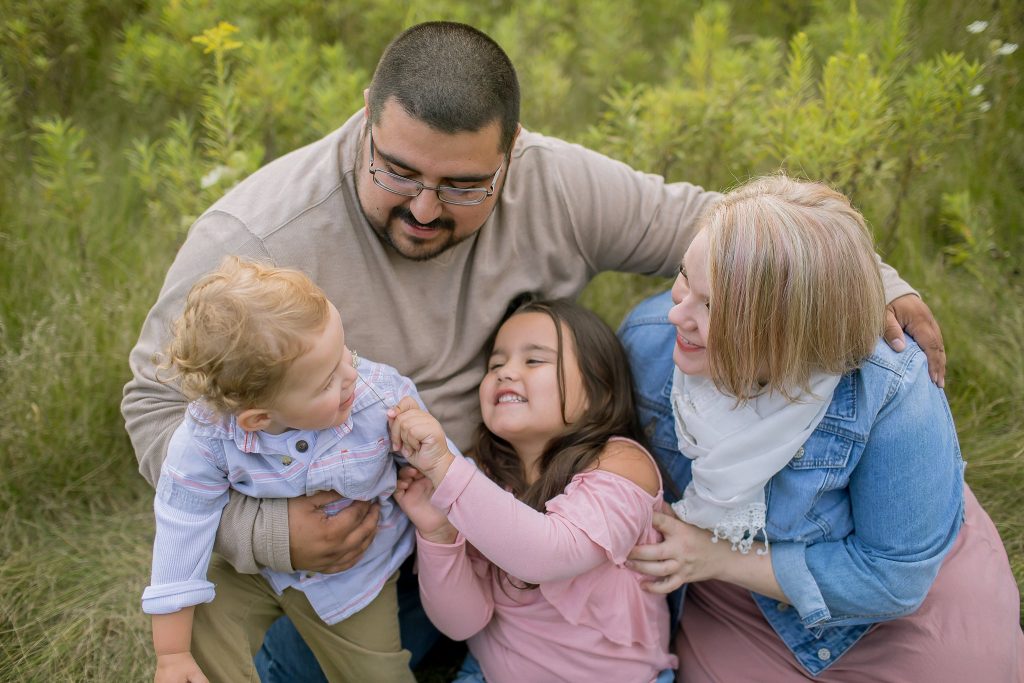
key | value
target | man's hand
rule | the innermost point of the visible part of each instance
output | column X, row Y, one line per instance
column 319, row 543
column 910, row 313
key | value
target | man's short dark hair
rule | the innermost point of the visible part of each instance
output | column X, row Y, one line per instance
column 452, row 77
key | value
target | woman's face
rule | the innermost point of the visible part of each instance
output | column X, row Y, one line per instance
column 691, row 311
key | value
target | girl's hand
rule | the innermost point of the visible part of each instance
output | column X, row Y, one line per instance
column 419, row 437
column 687, row 554
column 413, row 495
column 178, row 667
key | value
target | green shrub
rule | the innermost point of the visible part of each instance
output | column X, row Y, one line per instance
column 121, row 121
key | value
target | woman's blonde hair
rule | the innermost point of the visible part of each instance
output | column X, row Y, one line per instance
column 793, row 283
column 243, row 326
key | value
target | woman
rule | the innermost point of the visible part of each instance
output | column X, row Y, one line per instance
column 824, row 464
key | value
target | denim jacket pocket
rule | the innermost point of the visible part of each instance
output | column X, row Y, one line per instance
column 805, row 497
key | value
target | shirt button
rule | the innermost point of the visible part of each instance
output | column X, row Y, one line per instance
column 799, row 453
column 824, row 654
column 310, row 575
column 782, row 606
column 301, row 446
column 286, row 460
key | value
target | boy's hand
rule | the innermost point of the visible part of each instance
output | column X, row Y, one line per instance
column 178, row 667
column 413, row 495
column 419, row 437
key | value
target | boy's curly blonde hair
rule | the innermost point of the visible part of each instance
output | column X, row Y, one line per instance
column 243, row 326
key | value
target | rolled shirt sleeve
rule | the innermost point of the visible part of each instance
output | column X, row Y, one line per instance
column 191, row 493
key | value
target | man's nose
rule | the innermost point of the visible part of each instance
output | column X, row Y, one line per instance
column 426, row 207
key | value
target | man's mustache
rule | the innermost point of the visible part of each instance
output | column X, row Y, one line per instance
column 403, row 213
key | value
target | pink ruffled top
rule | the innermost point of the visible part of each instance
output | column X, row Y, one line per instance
column 589, row 619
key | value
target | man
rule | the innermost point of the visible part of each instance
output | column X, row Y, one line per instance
column 423, row 217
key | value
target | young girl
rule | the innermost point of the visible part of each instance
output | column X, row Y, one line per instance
column 524, row 558
column 280, row 412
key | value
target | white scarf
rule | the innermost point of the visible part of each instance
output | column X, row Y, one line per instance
column 736, row 450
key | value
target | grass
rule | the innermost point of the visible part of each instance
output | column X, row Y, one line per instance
column 85, row 241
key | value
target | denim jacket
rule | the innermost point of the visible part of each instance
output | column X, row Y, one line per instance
column 862, row 516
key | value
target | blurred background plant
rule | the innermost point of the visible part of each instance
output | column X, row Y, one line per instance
column 121, row 121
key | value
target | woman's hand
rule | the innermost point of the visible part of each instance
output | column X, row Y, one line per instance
column 413, row 495
column 419, row 437
column 687, row 554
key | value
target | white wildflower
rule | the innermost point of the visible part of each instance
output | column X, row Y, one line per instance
column 977, row 26
column 1006, row 49
column 985, row 106
column 977, row 90
column 213, row 176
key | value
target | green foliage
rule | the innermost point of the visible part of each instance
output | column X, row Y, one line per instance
column 121, row 121
column 858, row 121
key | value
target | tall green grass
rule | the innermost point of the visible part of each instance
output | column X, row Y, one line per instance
column 111, row 116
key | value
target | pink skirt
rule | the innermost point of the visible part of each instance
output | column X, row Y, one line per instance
column 966, row 630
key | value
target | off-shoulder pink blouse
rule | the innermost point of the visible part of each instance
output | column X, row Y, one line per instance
column 588, row 620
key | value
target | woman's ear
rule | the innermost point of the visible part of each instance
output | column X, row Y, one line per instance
column 253, row 419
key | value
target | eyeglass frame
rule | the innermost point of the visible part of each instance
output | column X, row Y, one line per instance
column 422, row 186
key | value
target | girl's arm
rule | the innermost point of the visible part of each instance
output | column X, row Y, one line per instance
column 600, row 514
column 598, row 518
column 172, row 639
column 455, row 587
column 456, row 595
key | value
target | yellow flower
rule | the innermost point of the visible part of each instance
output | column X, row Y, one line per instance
column 217, row 39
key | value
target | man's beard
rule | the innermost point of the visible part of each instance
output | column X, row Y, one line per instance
column 420, row 251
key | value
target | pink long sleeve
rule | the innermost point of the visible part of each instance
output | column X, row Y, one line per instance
column 580, row 530
column 588, row 617
column 446, row 571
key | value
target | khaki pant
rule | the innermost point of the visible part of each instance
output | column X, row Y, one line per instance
column 228, row 632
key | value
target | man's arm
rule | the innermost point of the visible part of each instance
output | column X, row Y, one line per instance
column 635, row 222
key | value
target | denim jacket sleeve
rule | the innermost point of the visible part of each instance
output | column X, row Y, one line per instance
column 906, row 501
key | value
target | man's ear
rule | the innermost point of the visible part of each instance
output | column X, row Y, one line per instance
column 253, row 419
column 366, row 102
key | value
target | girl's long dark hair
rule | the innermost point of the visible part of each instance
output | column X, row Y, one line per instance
column 608, row 384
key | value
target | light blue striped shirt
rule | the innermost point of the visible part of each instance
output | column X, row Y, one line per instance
column 209, row 454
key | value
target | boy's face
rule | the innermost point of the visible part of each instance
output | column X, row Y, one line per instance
column 320, row 385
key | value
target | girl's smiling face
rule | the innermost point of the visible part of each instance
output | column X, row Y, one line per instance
column 519, row 396
column 691, row 312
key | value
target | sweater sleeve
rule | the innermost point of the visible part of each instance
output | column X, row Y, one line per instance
column 599, row 517
column 447, row 571
column 253, row 532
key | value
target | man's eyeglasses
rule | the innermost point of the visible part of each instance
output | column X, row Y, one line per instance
column 407, row 187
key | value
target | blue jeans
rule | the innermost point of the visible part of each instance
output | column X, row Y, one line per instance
column 471, row 673
column 285, row 657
